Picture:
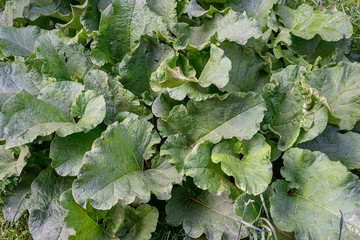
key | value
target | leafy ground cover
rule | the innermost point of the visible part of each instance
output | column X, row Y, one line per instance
column 176, row 119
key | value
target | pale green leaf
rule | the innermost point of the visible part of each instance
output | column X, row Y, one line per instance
column 305, row 22
column 40, row 118
column 120, row 154
column 340, row 87
column 286, row 102
column 117, row 98
column 239, row 115
column 247, row 161
column 19, row 41
column 9, row 165
column 216, row 71
column 207, row 175
column 317, row 191
column 62, row 62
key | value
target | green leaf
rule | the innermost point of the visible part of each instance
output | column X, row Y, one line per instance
column 248, row 207
column 60, row 9
column 232, row 26
column 317, row 191
column 175, row 151
column 117, row 98
column 287, row 102
column 246, row 72
column 213, row 119
column 46, row 220
column 305, row 22
column 216, row 71
column 19, row 41
column 86, row 223
column 117, row 223
column 139, row 223
column 62, row 62
column 163, row 104
column 9, row 166
column 247, row 161
column 207, row 175
column 41, row 118
column 121, row 153
column 67, row 152
column 136, row 68
column 200, row 212
column 18, row 75
column 339, row 86
column 14, row 203
column 342, row 147
column 258, row 9
column 318, row 118
column 117, row 33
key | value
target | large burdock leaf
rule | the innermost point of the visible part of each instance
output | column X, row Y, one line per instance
column 46, row 220
column 114, row 169
column 60, row 9
column 305, row 22
column 87, row 223
column 117, row 223
column 118, row 99
column 200, row 212
column 19, row 41
column 138, row 223
column 252, row 171
column 238, row 115
column 136, row 67
column 124, row 22
column 246, row 72
column 14, row 204
column 216, row 70
column 9, row 166
column 340, row 86
column 258, row 9
column 317, row 191
column 18, row 75
column 207, row 175
column 62, row 62
column 232, row 26
column 342, row 147
column 41, row 117
column 68, row 152
column 287, row 103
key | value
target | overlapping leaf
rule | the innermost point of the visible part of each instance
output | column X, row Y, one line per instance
column 114, row 169
column 317, row 193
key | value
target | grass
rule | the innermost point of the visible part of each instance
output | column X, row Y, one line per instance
column 19, row 230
